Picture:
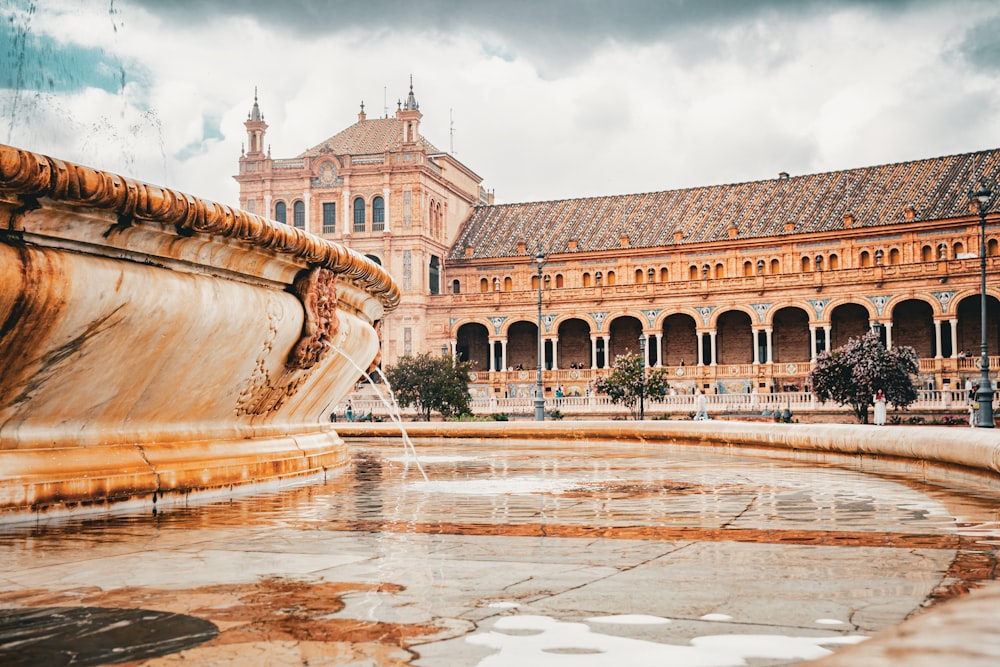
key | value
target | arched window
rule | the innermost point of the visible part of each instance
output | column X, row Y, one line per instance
column 456, row 287
column 299, row 214
column 834, row 262
column 378, row 214
column 775, row 266
column 612, row 278
column 586, row 280
column 664, row 274
column 747, row 268
column 704, row 271
column 559, row 280
column 991, row 248
column 639, row 276
column 484, row 285
column 760, row 267
column 805, row 264
column 865, row 259
column 693, row 273
column 720, row 271
column 651, row 274
column 927, row 254
column 598, row 278
column 894, row 256
column 374, row 259
column 879, row 255
column 281, row 212
column 359, row 215
column 508, row 284
column 819, row 262
column 958, row 248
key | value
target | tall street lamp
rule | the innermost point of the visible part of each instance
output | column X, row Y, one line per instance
column 539, row 396
column 642, row 376
column 984, row 197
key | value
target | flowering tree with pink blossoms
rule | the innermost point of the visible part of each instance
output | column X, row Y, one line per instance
column 851, row 374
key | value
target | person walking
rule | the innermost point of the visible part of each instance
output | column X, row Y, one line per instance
column 973, row 405
column 879, row 408
column 349, row 412
column 700, row 406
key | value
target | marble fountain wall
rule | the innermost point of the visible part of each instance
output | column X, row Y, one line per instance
column 153, row 344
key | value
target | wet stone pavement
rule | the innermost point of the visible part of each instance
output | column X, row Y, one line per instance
column 535, row 555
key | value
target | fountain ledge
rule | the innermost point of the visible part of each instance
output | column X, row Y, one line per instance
column 155, row 344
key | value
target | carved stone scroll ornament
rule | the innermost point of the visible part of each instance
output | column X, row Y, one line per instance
column 317, row 290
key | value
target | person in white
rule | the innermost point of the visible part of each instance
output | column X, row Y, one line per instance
column 879, row 408
column 700, row 406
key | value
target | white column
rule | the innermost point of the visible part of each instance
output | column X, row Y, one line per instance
column 701, row 347
column 954, row 338
column 769, row 346
column 812, row 343
column 503, row 353
column 888, row 334
column 492, row 354
column 715, row 356
column 593, row 352
column 937, row 339
column 555, row 354
column 659, row 350
column 607, row 351
column 827, row 333
column 756, row 346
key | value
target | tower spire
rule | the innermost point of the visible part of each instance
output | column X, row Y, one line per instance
column 256, row 127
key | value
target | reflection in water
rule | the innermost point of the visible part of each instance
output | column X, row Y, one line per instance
column 609, row 547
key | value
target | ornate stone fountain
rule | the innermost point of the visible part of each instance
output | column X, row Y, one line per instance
column 153, row 344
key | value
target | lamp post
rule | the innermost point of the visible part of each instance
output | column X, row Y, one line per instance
column 539, row 395
column 984, row 197
column 642, row 376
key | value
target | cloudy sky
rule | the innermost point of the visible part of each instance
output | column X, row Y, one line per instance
column 545, row 99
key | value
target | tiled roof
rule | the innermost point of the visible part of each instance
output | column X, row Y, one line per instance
column 367, row 137
column 877, row 196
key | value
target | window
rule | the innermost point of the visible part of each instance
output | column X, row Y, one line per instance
column 559, row 280
column 747, row 268
column 720, row 271
column 434, row 275
column 329, row 217
column 775, row 266
column 894, row 256
column 639, row 275
column 378, row 215
column 484, row 285
column 508, row 284
column 664, row 274
column 805, row 264
column 586, row 280
column 280, row 212
column 693, row 273
column 456, row 287
column 359, row 215
column 865, row 259
column 612, row 279
column 834, row 262
column 927, row 254
column 299, row 214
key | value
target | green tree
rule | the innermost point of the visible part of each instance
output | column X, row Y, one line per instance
column 851, row 374
column 630, row 383
column 431, row 383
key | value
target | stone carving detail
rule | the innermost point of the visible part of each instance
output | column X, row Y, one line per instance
column 497, row 322
column 879, row 302
column 761, row 309
column 706, row 312
column 317, row 290
column 651, row 316
column 944, row 298
column 819, row 305
column 599, row 319
column 548, row 320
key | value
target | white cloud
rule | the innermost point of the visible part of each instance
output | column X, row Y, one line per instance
column 692, row 98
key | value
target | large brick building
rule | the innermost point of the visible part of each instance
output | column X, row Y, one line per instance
column 729, row 287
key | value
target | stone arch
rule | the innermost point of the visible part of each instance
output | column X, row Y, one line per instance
column 848, row 320
column 913, row 325
column 679, row 340
column 790, row 339
column 624, row 331
column 574, row 342
column 734, row 336
column 472, row 344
